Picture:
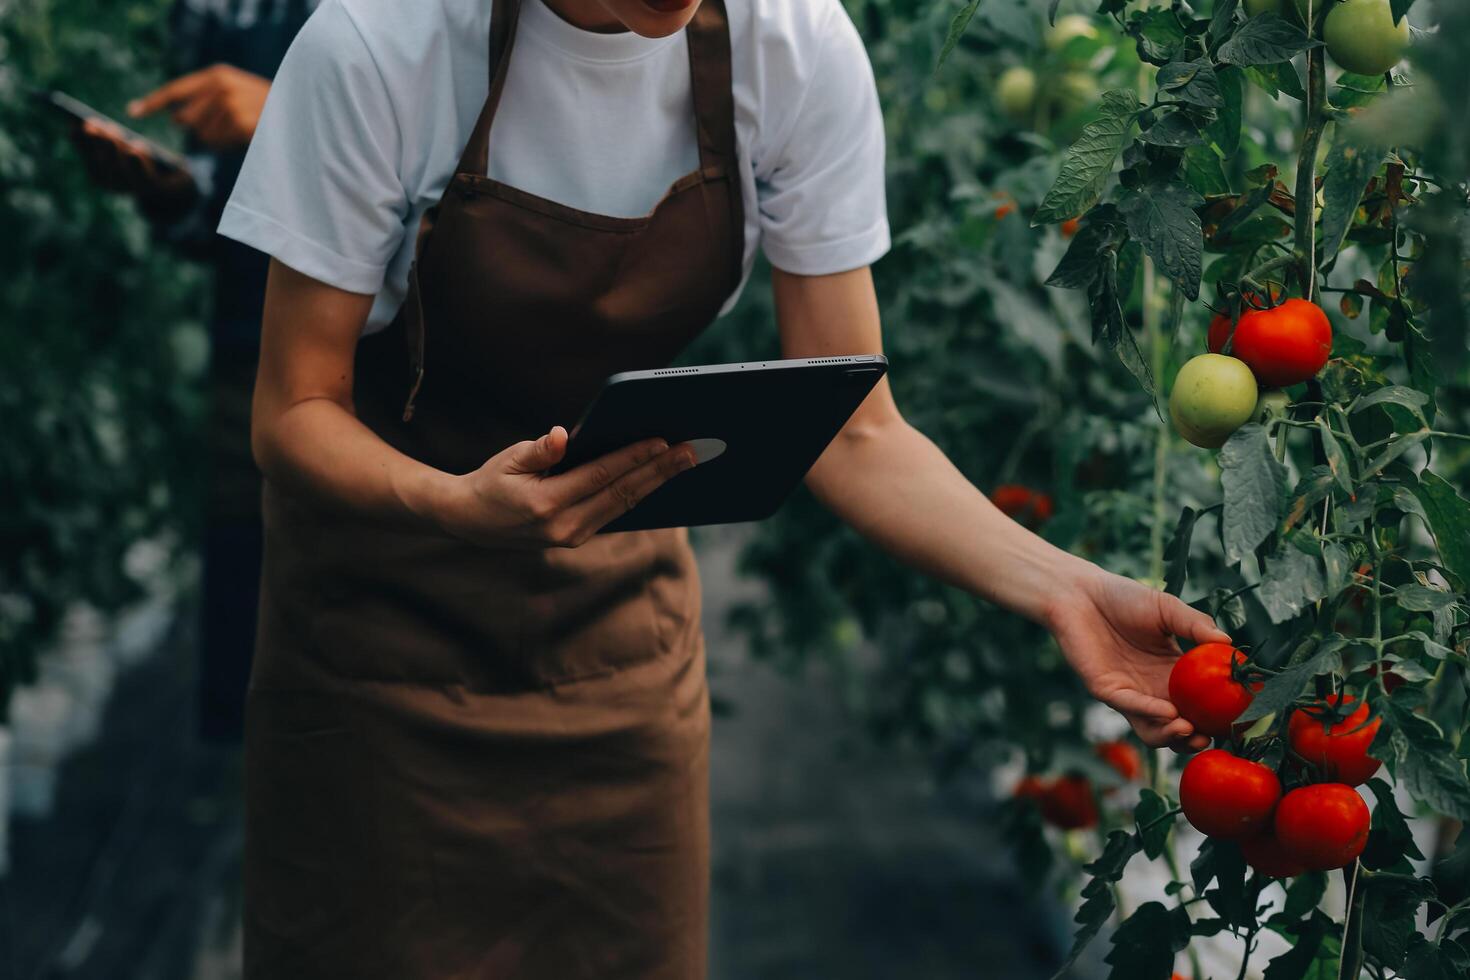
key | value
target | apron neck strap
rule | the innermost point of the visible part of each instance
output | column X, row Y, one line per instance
column 504, row 16
column 709, row 74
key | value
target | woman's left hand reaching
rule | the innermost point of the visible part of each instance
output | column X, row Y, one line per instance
column 1119, row 637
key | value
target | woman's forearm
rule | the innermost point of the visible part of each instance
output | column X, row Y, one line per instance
column 318, row 448
column 896, row 488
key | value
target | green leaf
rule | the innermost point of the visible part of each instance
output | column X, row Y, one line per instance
column 1390, row 840
column 1389, row 905
column 1423, row 760
column 1204, row 172
column 1449, row 522
column 1097, row 895
column 1145, row 943
column 1277, row 80
column 1295, row 962
column 1173, row 129
column 1395, row 449
column 1304, row 894
column 1088, row 162
column 1356, row 90
column 1445, row 960
column 1192, row 81
column 1353, row 161
column 1163, row 219
column 1254, row 484
column 1225, row 130
column 1224, row 18
column 1103, row 232
column 957, row 29
column 1160, row 37
column 1151, row 807
column 1336, row 459
column 1265, row 40
column 1176, row 553
column 1400, row 9
column 1410, row 399
column 1291, row 581
column 1420, row 598
column 1280, row 691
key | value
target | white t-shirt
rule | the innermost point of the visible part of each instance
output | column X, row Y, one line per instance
column 369, row 112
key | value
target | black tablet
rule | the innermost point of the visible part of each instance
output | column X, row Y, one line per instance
column 757, row 429
column 78, row 111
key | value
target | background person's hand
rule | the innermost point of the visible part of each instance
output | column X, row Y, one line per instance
column 512, row 502
column 220, row 105
column 124, row 166
column 1119, row 637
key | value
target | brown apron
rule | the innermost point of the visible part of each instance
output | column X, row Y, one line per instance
column 474, row 763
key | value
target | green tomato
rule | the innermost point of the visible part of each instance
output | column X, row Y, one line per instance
column 1362, row 37
column 1069, row 27
column 1213, row 396
column 1073, row 91
column 1271, row 404
column 1015, row 91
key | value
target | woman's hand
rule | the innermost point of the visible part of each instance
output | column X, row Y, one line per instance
column 220, row 104
column 1119, row 637
column 510, row 501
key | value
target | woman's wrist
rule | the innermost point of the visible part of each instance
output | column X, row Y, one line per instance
column 1037, row 579
column 434, row 498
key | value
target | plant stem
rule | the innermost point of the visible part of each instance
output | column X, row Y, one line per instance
column 1306, row 172
column 1350, row 964
column 1159, row 354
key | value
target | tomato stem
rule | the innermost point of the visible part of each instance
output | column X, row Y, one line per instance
column 1306, row 172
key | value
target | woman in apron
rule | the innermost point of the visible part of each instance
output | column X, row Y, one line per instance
column 477, row 732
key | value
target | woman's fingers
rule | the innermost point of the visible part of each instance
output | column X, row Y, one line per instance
column 582, row 482
column 1142, row 705
column 183, row 87
column 625, row 493
column 1182, row 619
column 537, row 455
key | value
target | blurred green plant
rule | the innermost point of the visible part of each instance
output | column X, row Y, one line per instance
column 102, row 345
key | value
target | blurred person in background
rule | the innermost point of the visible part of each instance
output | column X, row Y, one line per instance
column 224, row 53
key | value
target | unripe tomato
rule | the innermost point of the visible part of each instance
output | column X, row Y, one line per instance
column 1205, row 692
column 1284, row 345
column 1213, row 396
column 1073, row 91
column 1271, row 404
column 1023, row 505
column 1068, row 803
column 1069, row 27
column 1323, row 826
column 1070, row 226
column 1123, row 757
column 1226, row 796
column 1341, row 752
column 1265, row 853
column 1015, row 91
column 1362, row 37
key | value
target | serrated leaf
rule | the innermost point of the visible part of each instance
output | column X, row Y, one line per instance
column 1151, row 807
column 1204, row 172
column 1390, row 840
column 957, row 28
column 1291, row 581
column 1389, row 905
column 1193, row 82
column 1097, row 895
column 1449, row 522
column 1176, row 552
column 1088, row 163
column 1267, row 39
column 1354, row 159
column 1295, row 963
column 1087, row 254
column 1423, row 760
column 1144, row 944
column 1254, row 484
column 1280, row 691
column 1163, row 219
column 1173, row 129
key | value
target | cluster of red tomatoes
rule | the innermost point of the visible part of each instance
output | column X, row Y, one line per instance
column 1269, row 348
column 1068, row 801
column 1316, row 826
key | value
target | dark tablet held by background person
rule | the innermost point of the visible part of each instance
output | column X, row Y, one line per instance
column 756, row 429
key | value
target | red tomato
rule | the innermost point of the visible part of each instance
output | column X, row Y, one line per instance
column 1123, row 757
column 1069, row 227
column 1284, row 345
column 1324, row 826
column 1265, row 853
column 1226, row 796
column 1341, row 752
column 1023, row 505
column 1029, row 788
column 1220, row 325
column 1004, row 210
column 1068, row 803
column 1202, row 688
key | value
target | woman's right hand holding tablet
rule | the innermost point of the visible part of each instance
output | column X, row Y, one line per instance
column 512, row 502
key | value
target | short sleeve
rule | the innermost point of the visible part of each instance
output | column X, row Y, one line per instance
column 320, row 188
column 821, row 190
